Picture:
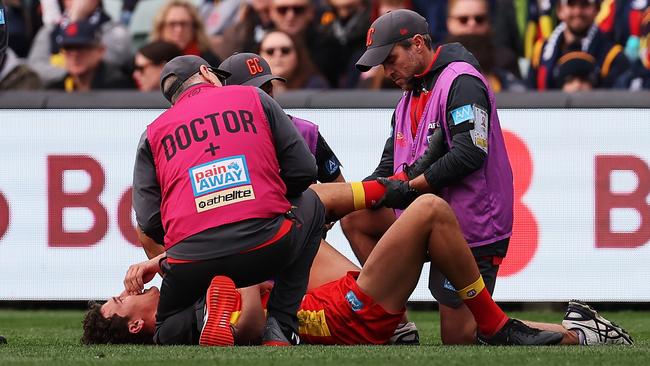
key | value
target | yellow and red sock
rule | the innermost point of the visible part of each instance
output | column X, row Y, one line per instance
column 366, row 194
column 488, row 315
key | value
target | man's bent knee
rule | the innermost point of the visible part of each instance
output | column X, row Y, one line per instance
column 433, row 207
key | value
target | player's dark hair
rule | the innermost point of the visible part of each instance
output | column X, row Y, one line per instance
column 99, row 329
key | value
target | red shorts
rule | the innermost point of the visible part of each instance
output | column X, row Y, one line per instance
column 340, row 313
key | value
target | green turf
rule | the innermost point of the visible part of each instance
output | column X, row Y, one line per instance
column 52, row 338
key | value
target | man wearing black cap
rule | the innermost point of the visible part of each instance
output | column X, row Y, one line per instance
column 577, row 31
column 82, row 46
column 444, row 91
column 221, row 179
column 252, row 70
column 576, row 72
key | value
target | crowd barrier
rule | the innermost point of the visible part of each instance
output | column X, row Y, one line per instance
column 581, row 177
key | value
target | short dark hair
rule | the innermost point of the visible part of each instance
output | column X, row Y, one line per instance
column 160, row 52
column 99, row 329
column 406, row 43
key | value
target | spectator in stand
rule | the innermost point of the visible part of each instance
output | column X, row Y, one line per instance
column 381, row 7
column 178, row 22
column 13, row 75
column 375, row 77
column 244, row 35
column 128, row 7
column 620, row 21
column 343, row 31
column 576, row 72
column 638, row 76
column 290, row 60
column 218, row 15
column 85, row 69
column 16, row 75
column 149, row 62
column 296, row 18
column 45, row 55
column 24, row 20
column 468, row 22
column 293, row 16
column 576, row 32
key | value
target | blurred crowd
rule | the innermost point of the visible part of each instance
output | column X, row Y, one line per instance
column 81, row 45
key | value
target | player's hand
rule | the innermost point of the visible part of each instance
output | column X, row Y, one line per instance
column 398, row 194
column 138, row 275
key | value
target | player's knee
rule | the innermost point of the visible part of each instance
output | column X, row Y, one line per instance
column 347, row 224
column 351, row 223
column 433, row 207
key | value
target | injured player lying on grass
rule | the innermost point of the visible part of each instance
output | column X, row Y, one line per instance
column 345, row 305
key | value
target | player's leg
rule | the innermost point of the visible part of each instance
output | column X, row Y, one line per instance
column 363, row 229
column 394, row 266
column 329, row 265
column 457, row 324
column 429, row 227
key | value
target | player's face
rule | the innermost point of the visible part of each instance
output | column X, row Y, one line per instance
column 141, row 306
column 578, row 15
column 401, row 65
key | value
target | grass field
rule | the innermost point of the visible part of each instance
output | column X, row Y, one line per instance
column 52, row 338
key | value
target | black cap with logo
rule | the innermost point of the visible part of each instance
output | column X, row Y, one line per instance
column 80, row 34
column 183, row 67
column 248, row 69
column 387, row 30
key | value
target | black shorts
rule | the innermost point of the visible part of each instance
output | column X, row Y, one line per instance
column 488, row 258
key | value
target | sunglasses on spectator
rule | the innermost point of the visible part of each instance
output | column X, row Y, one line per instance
column 478, row 19
column 296, row 9
column 283, row 50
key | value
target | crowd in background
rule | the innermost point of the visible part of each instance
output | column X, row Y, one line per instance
column 81, row 45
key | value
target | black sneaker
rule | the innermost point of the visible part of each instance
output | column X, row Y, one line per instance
column 406, row 334
column 434, row 151
column 274, row 335
column 516, row 333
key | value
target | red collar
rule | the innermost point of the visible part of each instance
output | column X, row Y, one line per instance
column 433, row 61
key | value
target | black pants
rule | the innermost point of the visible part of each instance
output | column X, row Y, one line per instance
column 287, row 261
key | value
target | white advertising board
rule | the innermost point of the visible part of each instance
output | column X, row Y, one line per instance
column 582, row 203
